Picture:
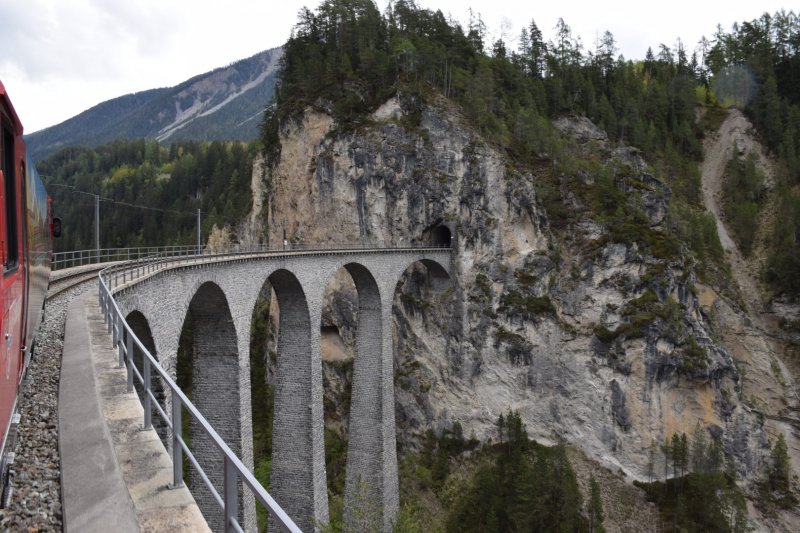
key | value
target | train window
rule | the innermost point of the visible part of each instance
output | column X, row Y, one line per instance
column 10, row 199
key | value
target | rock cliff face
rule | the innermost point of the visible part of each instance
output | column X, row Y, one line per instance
column 592, row 341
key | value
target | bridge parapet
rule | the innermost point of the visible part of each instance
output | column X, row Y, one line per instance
column 163, row 289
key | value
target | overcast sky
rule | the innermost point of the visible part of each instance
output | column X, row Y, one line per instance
column 61, row 57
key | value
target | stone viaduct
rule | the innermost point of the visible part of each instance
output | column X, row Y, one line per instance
column 221, row 296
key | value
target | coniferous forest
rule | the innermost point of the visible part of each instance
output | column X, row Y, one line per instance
column 144, row 188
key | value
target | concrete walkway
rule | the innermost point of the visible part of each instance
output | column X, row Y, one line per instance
column 114, row 475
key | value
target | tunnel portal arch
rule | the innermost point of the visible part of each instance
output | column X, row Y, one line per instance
column 438, row 235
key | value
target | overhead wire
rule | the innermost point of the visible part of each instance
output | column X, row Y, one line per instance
column 119, row 202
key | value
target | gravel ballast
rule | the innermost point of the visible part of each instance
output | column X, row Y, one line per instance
column 36, row 500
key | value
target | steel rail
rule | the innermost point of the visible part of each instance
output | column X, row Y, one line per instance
column 61, row 260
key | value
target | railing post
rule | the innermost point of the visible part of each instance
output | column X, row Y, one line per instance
column 122, row 345
column 231, row 496
column 177, row 450
column 148, row 411
column 115, row 328
column 129, row 354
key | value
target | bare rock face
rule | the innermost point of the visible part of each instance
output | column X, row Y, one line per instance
column 591, row 341
column 249, row 233
column 582, row 130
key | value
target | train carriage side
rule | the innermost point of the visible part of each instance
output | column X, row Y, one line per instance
column 25, row 246
column 38, row 247
column 12, row 279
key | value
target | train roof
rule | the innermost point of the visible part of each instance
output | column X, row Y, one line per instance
column 9, row 108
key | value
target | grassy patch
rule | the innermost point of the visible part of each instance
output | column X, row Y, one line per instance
column 516, row 304
column 517, row 348
column 414, row 303
column 482, row 292
column 713, row 118
column 262, row 473
column 695, row 357
column 647, row 309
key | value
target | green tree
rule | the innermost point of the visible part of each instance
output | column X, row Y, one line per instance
column 677, row 454
column 684, row 454
column 666, row 450
column 595, row 507
column 651, row 460
column 699, row 454
column 520, row 486
column 779, row 467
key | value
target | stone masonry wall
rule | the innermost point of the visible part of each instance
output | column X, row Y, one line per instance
column 222, row 356
column 215, row 392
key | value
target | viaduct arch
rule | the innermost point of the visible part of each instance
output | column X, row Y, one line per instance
column 141, row 328
column 221, row 297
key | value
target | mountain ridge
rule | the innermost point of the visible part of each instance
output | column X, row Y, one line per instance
column 222, row 104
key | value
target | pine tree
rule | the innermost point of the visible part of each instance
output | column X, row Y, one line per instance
column 684, row 455
column 595, row 507
column 779, row 468
column 716, row 456
column 538, row 50
column 651, row 461
column 666, row 449
column 699, row 449
column 675, row 446
column 649, row 63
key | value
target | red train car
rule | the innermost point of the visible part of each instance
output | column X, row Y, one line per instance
column 26, row 243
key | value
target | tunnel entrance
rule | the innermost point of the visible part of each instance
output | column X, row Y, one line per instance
column 438, row 235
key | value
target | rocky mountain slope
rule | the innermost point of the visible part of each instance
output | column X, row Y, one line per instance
column 751, row 335
column 609, row 345
column 226, row 103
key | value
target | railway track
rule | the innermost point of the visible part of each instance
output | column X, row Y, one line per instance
column 65, row 282
column 35, row 503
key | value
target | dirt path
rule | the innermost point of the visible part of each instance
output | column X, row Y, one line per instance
column 754, row 341
column 718, row 148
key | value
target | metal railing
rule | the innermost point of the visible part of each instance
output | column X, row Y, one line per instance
column 106, row 255
column 75, row 258
column 234, row 470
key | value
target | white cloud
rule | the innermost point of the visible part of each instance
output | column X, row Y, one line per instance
column 60, row 57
